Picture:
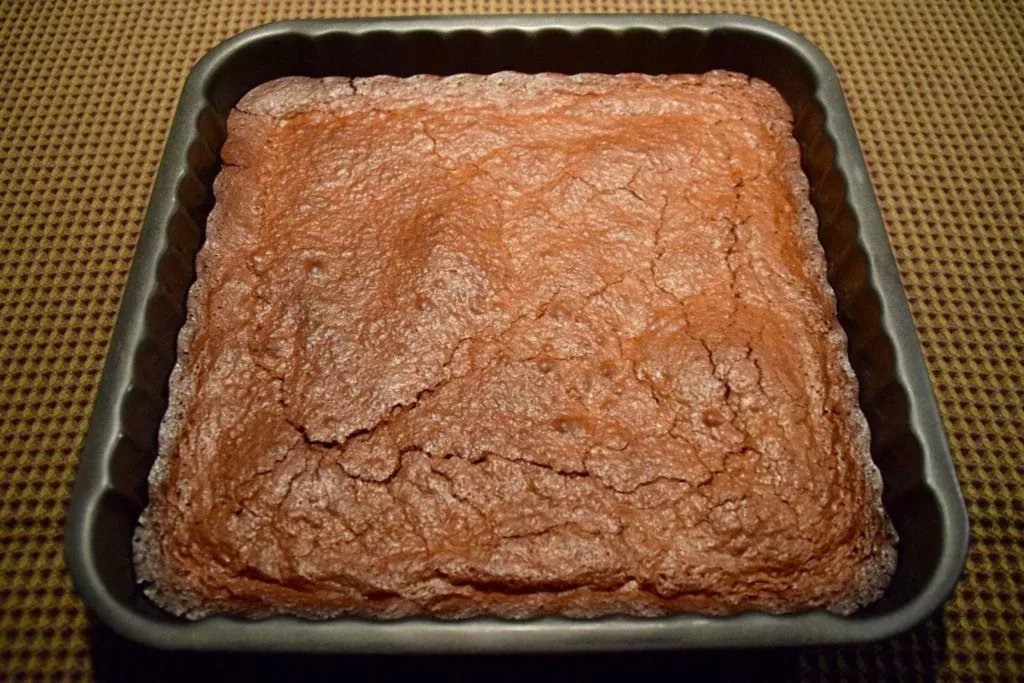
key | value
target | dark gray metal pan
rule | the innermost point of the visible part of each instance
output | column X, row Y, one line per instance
column 908, row 443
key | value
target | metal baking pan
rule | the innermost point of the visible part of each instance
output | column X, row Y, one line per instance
column 908, row 443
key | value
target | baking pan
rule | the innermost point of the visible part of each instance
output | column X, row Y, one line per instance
column 908, row 443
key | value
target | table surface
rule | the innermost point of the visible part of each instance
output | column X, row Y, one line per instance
column 88, row 90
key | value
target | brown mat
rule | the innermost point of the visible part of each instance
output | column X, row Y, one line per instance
column 87, row 92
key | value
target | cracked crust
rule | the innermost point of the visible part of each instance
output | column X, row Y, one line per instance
column 512, row 345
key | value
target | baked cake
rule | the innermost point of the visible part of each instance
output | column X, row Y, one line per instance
column 512, row 345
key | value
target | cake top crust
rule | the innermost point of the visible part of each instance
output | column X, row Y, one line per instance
column 513, row 345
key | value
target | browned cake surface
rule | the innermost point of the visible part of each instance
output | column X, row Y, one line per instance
column 513, row 345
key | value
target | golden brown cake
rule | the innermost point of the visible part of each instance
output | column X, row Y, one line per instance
column 512, row 345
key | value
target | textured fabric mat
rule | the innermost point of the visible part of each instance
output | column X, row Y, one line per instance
column 87, row 92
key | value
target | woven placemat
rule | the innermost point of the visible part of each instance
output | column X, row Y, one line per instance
column 87, row 92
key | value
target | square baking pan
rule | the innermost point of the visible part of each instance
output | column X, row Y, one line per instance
column 908, row 444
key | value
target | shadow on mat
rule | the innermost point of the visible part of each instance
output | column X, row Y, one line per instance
column 915, row 655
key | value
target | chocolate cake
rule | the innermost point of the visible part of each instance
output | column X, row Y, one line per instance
column 512, row 345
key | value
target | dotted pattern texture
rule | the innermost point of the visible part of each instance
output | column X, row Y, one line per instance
column 88, row 90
